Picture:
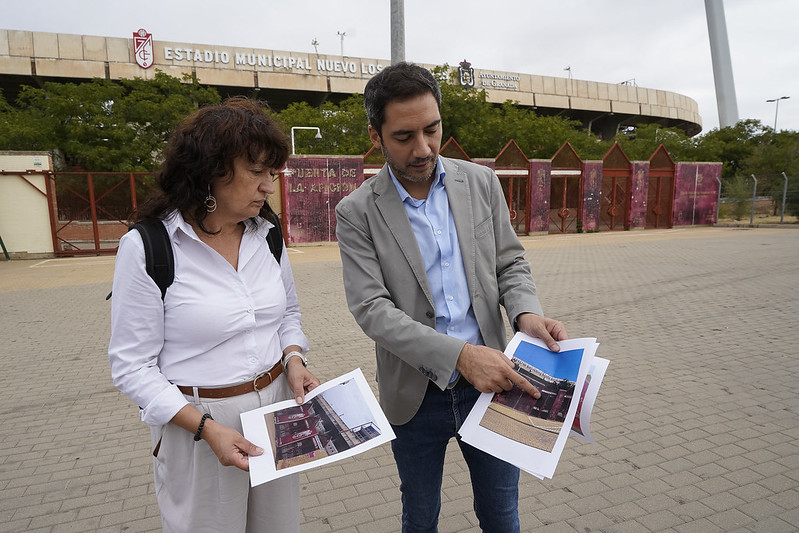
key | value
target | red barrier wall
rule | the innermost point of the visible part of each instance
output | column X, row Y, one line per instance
column 639, row 188
column 592, row 188
column 696, row 193
column 540, row 186
column 312, row 188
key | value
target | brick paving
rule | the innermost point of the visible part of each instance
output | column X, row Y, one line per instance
column 697, row 421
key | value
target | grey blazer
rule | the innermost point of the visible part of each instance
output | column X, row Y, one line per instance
column 387, row 289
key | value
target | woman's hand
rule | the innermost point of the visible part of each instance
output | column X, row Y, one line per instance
column 230, row 446
column 301, row 381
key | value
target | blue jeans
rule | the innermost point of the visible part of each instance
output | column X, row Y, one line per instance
column 419, row 453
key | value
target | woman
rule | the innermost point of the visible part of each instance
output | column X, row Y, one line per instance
column 226, row 338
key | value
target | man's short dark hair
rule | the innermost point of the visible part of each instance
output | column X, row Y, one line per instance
column 399, row 81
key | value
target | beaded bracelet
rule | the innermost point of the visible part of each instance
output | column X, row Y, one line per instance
column 205, row 417
column 293, row 353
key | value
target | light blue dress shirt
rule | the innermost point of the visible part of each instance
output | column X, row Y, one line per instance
column 434, row 228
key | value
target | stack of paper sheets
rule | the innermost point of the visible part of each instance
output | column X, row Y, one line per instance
column 531, row 433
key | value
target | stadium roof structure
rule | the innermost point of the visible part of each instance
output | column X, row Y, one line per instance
column 282, row 77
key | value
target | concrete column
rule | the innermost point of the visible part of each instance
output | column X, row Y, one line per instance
column 397, row 31
column 722, row 64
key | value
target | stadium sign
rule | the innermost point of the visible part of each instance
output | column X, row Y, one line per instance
column 213, row 57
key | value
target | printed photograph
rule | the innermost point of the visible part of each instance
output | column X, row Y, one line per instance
column 327, row 424
column 517, row 415
column 577, row 423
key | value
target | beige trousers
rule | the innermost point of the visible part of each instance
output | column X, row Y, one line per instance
column 197, row 494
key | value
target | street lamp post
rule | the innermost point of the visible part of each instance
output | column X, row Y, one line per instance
column 568, row 69
column 342, row 34
column 778, row 108
column 318, row 134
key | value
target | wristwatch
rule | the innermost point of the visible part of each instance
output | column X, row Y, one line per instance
column 294, row 353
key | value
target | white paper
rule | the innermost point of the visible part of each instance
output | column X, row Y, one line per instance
column 339, row 419
column 581, row 427
column 522, row 433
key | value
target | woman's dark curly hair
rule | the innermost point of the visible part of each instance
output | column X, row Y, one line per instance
column 202, row 149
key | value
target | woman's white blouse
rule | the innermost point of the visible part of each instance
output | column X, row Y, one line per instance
column 216, row 326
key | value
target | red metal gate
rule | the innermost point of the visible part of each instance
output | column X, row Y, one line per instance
column 615, row 196
column 564, row 201
column 566, row 191
column 659, row 200
column 89, row 210
column 660, row 191
column 615, row 201
column 513, row 169
column 514, row 186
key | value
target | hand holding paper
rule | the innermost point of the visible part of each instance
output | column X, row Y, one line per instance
column 548, row 330
column 525, row 431
column 338, row 419
column 489, row 370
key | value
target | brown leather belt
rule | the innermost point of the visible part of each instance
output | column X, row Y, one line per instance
column 261, row 381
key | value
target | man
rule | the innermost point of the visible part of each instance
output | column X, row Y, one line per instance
column 429, row 256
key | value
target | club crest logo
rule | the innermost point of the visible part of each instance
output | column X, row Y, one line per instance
column 466, row 74
column 143, row 48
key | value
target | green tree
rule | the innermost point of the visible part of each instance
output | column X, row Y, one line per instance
column 738, row 197
column 774, row 154
column 641, row 142
column 26, row 129
column 5, row 107
column 81, row 120
column 102, row 125
column 749, row 148
column 551, row 132
column 342, row 125
column 150, row 110
column 731, row 145
column 483, row 129
column 467, row 117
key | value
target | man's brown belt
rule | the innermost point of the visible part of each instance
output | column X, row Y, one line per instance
column 261, row 381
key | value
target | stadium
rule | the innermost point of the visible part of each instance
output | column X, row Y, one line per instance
column 44, row 212
column 281, row 77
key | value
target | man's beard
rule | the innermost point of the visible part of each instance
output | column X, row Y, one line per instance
column 400, row 174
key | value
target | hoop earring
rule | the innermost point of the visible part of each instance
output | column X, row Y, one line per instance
column 210, row 201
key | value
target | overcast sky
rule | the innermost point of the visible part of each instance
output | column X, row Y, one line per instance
column 660, row 45
column 347, row 401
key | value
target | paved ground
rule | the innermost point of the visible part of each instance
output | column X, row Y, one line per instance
column 697, row 420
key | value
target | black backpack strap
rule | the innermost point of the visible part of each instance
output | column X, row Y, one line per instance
column 275, row 237
column 160, row 261
column 159, row 258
